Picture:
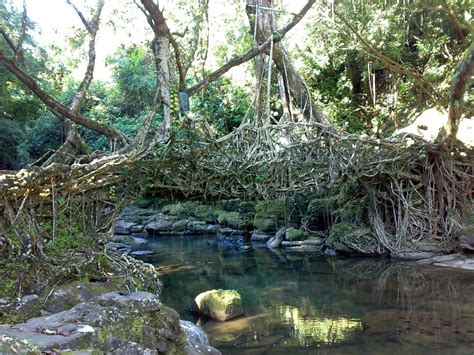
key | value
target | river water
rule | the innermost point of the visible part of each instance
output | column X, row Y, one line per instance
column 310, row 304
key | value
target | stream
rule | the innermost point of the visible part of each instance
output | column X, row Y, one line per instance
column 308, row 303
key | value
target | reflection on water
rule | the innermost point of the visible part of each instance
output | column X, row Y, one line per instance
column 317, row 329
column 306, row 303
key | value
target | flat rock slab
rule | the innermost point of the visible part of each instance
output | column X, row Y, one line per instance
column 310, row 242
column 458, row 261
column 123, row 227
column 409, row 256
column 111, row 323
column 260, row 237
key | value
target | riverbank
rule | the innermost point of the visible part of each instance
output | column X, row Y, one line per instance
column 244, row 225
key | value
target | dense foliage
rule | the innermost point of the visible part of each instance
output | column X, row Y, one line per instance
column 359, row 92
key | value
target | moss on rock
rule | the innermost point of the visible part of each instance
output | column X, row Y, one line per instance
column 220, row 304
column 293, row 234
column 230, row 219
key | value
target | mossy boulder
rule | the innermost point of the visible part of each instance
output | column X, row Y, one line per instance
column 269, row 215
column 354, row 238
column 206, row 213
column 116, row 322
column 293, row 234
column 219, row 304
column 247, row 207
column 174, row 209
column 230, row 219
column 230, row 205
column 265, row 224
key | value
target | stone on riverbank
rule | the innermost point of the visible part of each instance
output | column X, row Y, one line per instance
column 123, row 227
column 293, row 234
column 219, row 304
column 115, row 322
column 258, row 237
column 275, row 242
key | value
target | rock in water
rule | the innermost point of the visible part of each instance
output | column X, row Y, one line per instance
column 277, row 239
column 220, row 305
column 198, row 341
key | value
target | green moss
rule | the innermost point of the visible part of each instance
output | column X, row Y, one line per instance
column 269, row 215
column 247, row 207
column 230, row 205
column 206, row 213
column 271, row 208
column 230, row 219
column 174, row 209
column 265, row 224
column 294, row 234
column 338, row 231
column 219, row 303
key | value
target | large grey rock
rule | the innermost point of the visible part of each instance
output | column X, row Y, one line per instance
column 180, row 225
column 194, row 333
column 466, row 242
column 220, row 305
column 160, row 226
column 69, row 295
column 23, row 307
column 258, row 237
column 123, row 227
column 198, row 342
column 276, row 241
column 197, row 227
column 119, row 323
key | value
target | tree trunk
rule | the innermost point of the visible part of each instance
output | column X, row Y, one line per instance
column 261, row 29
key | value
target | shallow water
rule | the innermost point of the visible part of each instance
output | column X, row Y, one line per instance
column 308, row 303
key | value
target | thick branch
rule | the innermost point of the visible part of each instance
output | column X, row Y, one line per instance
column 56, row 107
column 277, row 37
column 8, row 40
column 459, row 84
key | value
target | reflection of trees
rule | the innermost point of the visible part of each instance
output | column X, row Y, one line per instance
column 310, row 328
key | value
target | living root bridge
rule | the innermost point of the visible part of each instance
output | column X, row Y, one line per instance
column 416, row 190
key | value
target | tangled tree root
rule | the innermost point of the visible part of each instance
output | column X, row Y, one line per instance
column 417, row 190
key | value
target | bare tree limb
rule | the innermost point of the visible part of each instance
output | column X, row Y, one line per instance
column 276, row 37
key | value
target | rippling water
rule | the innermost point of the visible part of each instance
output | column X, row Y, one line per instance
column 307, row 303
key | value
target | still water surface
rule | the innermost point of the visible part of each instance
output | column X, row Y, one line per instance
column 311, row 304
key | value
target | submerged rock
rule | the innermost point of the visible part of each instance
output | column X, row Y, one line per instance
column 116, row 322
column 220, row 304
